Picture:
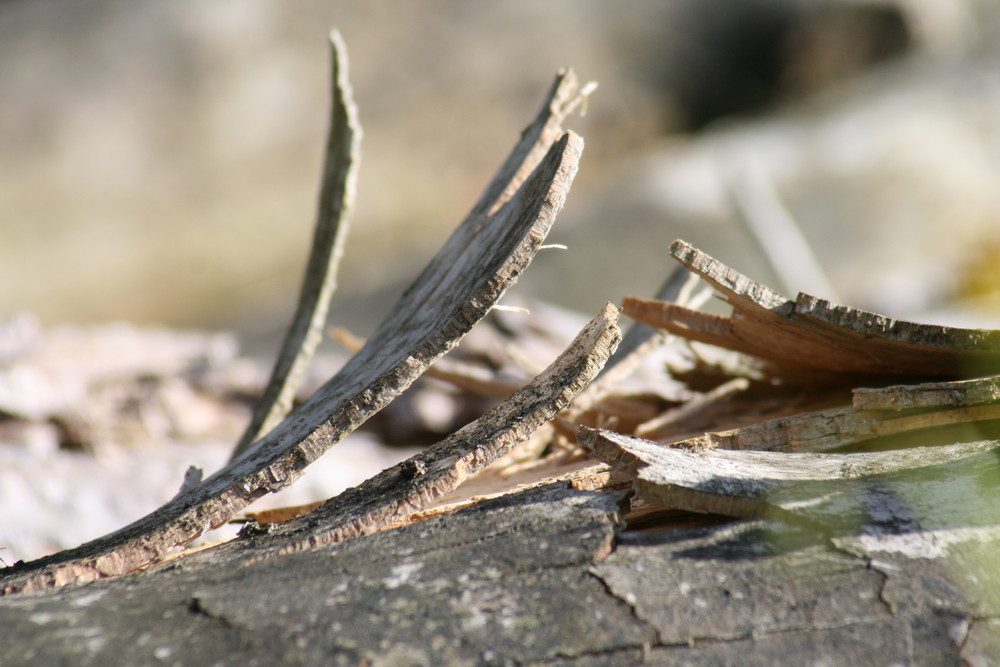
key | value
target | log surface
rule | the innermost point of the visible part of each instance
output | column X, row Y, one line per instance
column 545, row 576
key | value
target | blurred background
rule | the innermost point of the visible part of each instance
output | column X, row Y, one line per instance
column 159, row 165
column 159, row 161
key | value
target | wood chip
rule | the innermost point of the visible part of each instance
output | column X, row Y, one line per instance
column 826, row 489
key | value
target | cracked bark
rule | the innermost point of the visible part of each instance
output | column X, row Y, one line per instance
column 524, row 578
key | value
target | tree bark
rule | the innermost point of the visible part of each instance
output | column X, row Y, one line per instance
column 545, row 576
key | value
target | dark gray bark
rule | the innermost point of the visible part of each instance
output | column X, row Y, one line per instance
column 545, row 576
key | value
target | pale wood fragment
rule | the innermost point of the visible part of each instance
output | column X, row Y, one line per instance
column 477, row 264
column 339, row 182
column 929, row 395
column 825, row 430
column 814, row 487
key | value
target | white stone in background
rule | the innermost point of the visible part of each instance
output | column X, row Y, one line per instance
column 892, row 179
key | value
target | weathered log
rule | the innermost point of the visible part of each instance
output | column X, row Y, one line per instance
column 545, row 576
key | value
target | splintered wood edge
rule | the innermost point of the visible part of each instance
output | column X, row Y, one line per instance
column 638, row 342
column 960, row 393
column 678, row 319
column 727, row 280
column 845, row 319
column 740, row 483
column 369, row 381
column 822, row 342
column 867, row 324
column 825, row 430
column 412, row 485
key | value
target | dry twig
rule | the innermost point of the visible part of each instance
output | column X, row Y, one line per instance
column 343, row 153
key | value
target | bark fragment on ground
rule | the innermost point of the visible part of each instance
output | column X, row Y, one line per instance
column 832, row 428
column 472, row 271
column 918, row 488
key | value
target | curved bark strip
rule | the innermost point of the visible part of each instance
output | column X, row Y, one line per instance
column 480, row 261
column 810, row 341
column 343, row 153
column 563, row 98
column 438, row 470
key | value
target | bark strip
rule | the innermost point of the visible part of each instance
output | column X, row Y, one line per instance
column 810, row 341
column 343, row 153
column 420, row 480
column 477, row 264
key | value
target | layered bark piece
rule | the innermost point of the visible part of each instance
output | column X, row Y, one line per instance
column 810, row 341
column 894, row 492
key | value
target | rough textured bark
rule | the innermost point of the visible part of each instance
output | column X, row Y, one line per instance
column 545, row 576
column 438, row 470
column 465, row 279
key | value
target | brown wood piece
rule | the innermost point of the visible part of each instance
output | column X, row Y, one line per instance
column 810, row 341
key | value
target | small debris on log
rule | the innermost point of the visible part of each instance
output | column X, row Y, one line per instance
column 812, row 342
column 398, row 491
column 822, row 489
